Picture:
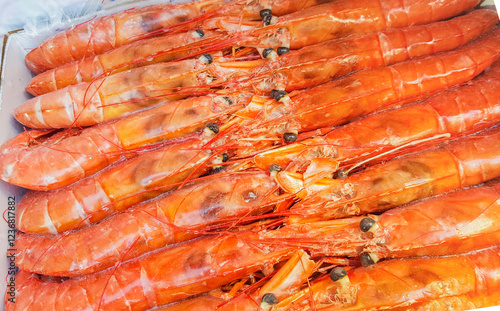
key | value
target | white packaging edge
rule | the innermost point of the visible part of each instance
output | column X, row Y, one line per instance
column 14, row 76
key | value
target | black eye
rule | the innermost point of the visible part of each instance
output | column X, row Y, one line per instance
column 225, row 157
column 289, row 137
column 267, row 52
column 213, row 127
column 282, row 50
column 277, row 95
column 200, row 32
column 265, row 12
column 337, row 273
column 216, row 169
column 366, row 259
column 270, row 299
column 209, row 58
column 366, row 224
column 275, row 168
column 267, row 20
column 228, row 100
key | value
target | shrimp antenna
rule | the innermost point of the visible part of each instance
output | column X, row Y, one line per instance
column 413, row 143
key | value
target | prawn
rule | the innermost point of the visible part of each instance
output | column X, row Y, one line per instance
column 154, row 279
column 341, row 18
column 83, row 152
column 462, row 110
column 334, row 53
column 137, row 54
column 88, row 103
column 174, row 217
column 463, row 162
column 453, row 223
column 105, row 33
column 404, row 284
column 117, row 187
column 322, row 62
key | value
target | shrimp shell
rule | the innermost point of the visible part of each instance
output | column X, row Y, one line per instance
column 344, row 17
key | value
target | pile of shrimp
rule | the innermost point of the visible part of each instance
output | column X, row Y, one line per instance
column 262, row 155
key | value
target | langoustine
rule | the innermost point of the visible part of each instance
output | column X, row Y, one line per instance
column 82, row 152
column 457, row 164
column 444, row 36
column 431, row 282
column 177, row 216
